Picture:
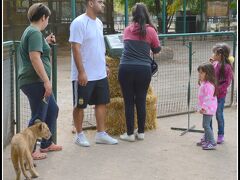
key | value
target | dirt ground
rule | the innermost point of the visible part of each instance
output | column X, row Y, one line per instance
column 163, row 155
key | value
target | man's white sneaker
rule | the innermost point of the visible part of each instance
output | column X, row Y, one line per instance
column 126, row 137
column 104, row 138
column 81, row 140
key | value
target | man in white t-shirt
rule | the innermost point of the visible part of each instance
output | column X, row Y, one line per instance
column 89, row 71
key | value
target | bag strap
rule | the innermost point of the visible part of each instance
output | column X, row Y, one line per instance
column 152, row 58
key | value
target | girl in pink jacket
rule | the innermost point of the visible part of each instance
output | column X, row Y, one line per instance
column 207, row 103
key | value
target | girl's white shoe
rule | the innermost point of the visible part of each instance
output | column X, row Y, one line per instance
column 139, row 136
column 126, row 137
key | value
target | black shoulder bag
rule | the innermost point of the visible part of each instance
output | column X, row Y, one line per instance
column 154, row 66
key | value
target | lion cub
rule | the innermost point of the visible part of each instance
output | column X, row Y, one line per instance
column 22, row 145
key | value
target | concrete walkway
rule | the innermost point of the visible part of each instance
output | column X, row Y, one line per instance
column 163, row 155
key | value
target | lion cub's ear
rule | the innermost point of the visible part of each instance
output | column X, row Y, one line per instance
column 41, row 126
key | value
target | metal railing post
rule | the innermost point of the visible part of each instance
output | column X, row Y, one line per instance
column 126, row 13
column 234, row 54
column 17, row 90
column 54, row 83
column 73, row 6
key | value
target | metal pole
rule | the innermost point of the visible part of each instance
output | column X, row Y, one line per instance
column 234, row 55
column 189, row 85
column 54, row 70
column 73, row 5
column 164, row 16
column 126, row 13
column 54, row 83
column 188, row 129
column 17, row 92
column 201, row 7
column 184, row 16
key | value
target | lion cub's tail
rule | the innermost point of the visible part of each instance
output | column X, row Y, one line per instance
column 15, row 161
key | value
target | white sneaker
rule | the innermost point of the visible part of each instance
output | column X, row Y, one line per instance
column 104, row 138
column 81, row 140
column 140, row 136
column 126, row 137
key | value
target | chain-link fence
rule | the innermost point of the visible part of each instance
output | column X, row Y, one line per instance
column 171, row 83
column 175, row 65
column 8, row 92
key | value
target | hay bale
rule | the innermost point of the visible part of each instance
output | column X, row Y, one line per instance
column 115, row 120
column 114, row 86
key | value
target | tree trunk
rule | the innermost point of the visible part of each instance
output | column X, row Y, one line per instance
column 157, row 5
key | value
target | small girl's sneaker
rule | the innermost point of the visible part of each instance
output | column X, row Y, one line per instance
column 203, row 138
column 209, row 146
column 220, row 139
column 201, row 143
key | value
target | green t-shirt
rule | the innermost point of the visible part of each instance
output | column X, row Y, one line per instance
column 32, row 40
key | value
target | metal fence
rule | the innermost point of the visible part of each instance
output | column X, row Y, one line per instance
column 175, row 83
column 193, row 24
column 8, row 92
column 178, row 61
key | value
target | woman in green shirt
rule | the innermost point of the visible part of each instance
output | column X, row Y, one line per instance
column 35, row 72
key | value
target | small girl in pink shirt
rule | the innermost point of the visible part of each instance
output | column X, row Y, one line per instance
column 207, row 103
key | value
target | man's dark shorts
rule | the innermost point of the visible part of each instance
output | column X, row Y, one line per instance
column 94, row 93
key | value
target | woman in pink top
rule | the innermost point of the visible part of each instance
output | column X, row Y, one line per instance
column 224, row 75
column 134, row 76
column 207, row 103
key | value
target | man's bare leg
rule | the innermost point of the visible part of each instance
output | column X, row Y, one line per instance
column 100, row 113
column 81, row 139
column 78, row 115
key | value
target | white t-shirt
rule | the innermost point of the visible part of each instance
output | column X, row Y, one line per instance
column 89, row 34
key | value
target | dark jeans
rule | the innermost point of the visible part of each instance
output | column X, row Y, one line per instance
column 219, row 116
column 45, row 111
column 134, row 81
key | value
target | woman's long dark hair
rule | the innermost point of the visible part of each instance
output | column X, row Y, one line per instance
column 141, row 16
column 210, row 74
column 223, row 50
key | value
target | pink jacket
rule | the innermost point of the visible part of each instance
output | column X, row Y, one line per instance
column 206, row 98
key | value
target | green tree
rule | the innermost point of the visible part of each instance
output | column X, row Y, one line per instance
column 155, row 8
column 233, row 7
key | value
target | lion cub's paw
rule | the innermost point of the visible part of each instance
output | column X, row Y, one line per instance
column 35, row 175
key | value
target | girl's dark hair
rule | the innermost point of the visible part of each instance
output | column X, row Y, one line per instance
column 223, row 50
column 141, row 16
column 210, row 74
column 36, row 12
